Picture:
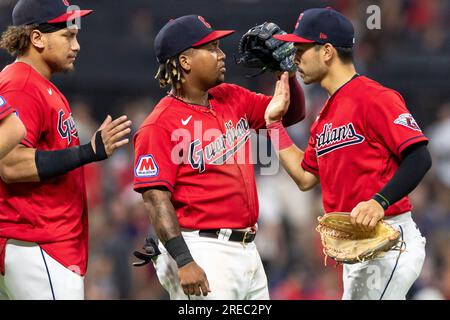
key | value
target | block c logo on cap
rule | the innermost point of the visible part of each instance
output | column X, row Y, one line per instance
column 146, row 167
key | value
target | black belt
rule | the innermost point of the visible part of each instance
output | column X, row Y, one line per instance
column 236, row 235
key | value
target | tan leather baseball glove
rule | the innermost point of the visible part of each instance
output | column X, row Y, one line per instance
column 347, row 243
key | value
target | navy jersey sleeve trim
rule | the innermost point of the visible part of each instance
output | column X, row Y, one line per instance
column 27, row 143
column 405, row 143
column 9, row 108
column 139, row 186
column 309, row 168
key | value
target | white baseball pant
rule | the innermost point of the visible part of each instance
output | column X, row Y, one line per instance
column 234, row 270
column 391, row 276
column 31, row 274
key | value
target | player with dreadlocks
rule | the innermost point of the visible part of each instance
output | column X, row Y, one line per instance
column 193, row 172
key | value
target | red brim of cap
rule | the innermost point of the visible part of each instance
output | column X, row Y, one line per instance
column 292, row 38
column 70, row 16
column 217, row 34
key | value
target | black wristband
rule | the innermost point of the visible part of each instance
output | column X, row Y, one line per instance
column 179, row 250
column 381, row 200
column 100, row 147
column 87, row 154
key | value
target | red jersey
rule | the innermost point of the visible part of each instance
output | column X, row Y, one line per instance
column 356, row 144
column 52, row 213
column 203, row 156
column 5, row 108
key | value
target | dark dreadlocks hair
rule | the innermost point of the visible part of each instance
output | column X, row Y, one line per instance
column 170, row 73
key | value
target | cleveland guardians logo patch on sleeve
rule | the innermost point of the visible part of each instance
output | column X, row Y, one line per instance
column 146, row 167
column 407, row 120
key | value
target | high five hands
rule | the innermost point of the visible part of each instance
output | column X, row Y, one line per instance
column 279, row 104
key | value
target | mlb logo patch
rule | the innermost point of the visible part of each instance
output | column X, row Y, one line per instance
column 146, row 167
column 2, row 101
column 407, row 120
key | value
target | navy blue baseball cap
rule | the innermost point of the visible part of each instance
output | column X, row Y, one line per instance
column 183, row 33
column 27, row 12
column 322, row 25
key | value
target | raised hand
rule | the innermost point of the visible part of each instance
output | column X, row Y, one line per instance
column 279, row 104
column 112, row 133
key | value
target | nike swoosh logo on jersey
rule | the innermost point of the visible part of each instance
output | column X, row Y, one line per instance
column 185, row 122
column 50, row 91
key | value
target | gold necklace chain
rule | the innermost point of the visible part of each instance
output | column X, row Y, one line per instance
column 189, row 103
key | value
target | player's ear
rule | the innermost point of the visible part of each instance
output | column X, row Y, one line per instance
column 37, row 39
column 328, row 52
column 184, row 60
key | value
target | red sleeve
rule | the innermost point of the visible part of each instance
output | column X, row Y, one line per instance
column 5, row 108
column 153, row 163
column 391, row 124
column 296, row 111
column 30, row 113
column 309, row 162
column 252, row 104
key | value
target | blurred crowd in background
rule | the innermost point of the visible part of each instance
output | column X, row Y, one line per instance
column 115, row 70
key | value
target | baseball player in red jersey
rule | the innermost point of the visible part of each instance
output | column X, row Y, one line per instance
column 193, row 168
column 43, row 209
column 365, row 148
column 12, row 130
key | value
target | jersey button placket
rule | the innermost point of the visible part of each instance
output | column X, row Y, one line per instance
column 249, row 202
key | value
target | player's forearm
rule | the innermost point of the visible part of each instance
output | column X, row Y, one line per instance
column 412, row 169
column 12, row 132
column 290, row 156
column 162, row 214
column 296, row 111
column 290, row 159
column 19, row 165
column 30, row 165
column 54, row 163
column 164, row 219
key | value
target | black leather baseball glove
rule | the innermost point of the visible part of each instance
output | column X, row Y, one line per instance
column 151, row 250
column 259, row 49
